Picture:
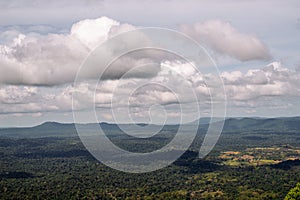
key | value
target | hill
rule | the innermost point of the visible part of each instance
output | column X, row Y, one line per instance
column 231, row 125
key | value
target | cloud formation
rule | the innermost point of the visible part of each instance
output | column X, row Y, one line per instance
column 54, row 59
column 32, row 60
column 270, row 81
column 248, row 89
column 225, row 39
column 170, row 88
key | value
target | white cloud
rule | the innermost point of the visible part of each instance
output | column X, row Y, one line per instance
column 43, row 60
column 54, row 59
column 91, row 32
column 245, row 90
column 225, row 39
column 15, row 94
column 271, row 80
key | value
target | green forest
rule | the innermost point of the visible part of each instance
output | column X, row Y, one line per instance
column 253, row 159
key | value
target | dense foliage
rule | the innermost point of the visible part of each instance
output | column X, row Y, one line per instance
column 294, row 193
column 244, row 165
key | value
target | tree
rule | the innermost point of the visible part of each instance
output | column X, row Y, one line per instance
column 294, row 193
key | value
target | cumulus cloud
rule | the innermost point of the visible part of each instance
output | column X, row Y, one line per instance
column 91, row 32
column 30, row 61
column 16, row 95
column 53, row 59
column 271, row 80
column 171, row 88
column 225, row 39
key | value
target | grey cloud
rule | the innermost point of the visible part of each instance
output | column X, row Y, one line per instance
column 54, row 59
column 225, row 39
column 247, row 90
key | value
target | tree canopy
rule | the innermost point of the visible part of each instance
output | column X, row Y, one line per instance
column 294, row 193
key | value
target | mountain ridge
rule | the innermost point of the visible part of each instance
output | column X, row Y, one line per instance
column 243, row 124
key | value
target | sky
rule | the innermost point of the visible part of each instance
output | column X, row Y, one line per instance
column 43, row 45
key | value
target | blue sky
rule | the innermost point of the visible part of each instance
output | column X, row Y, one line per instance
column 261, row 78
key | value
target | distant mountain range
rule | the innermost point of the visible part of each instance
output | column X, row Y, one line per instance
column 281, row 124
column 231, row 125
